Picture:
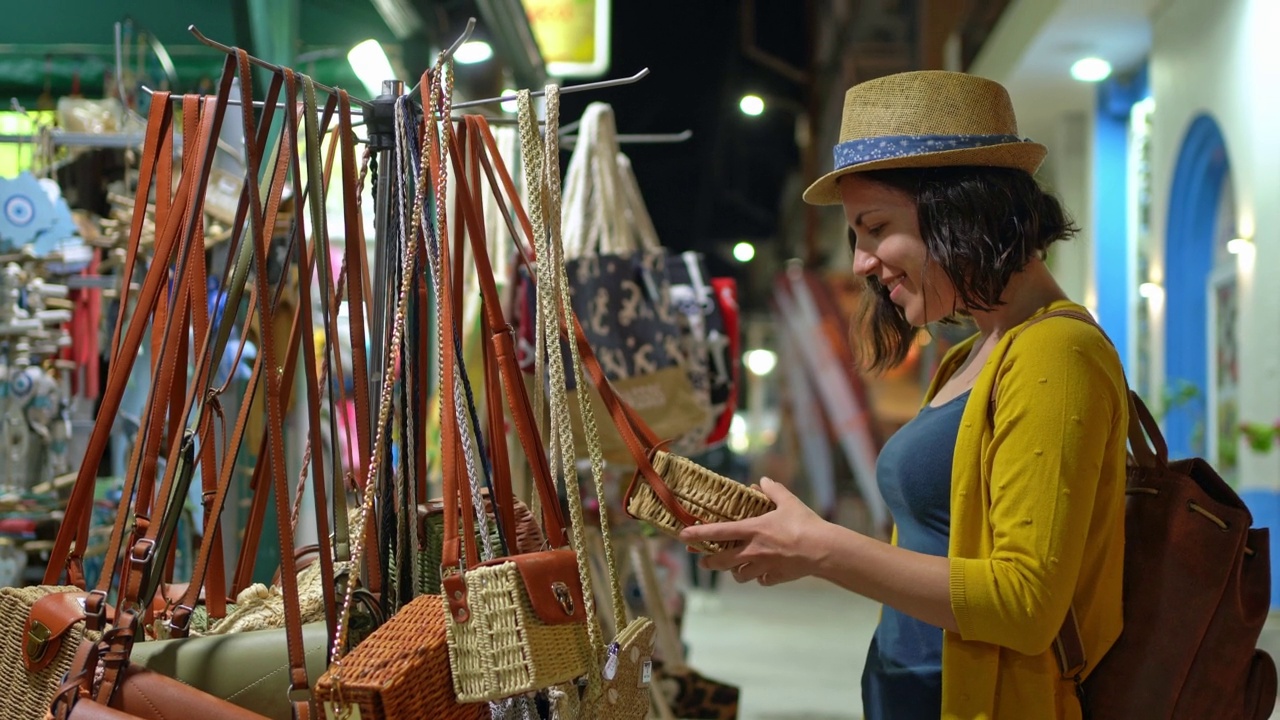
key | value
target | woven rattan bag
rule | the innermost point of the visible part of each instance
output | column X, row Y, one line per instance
column 36, row 649
column 517, row 623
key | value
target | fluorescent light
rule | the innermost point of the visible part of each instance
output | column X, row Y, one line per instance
column 1091, row 69
column 751, row 104
column 474, row 51
column 1150, row 291
column 371, row 65
column 761, row 362
column 1239, row 246
column 744, row 252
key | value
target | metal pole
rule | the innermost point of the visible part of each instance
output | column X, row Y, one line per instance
column 379, row 320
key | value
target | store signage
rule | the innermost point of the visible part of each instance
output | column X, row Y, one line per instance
column 572, row 34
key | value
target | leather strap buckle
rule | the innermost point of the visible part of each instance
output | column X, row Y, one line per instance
column 95, row 610
column 298, row 694
column 180, row 620
column 142, row 551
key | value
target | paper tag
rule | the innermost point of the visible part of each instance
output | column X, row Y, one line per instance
column 334, row 711
column 646, row 673
column 611, row 663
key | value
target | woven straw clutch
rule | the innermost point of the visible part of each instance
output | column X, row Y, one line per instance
column 706, row 495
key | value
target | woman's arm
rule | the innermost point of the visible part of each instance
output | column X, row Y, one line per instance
column 794, row 542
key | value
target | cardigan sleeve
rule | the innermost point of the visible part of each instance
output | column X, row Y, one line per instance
column 1060, row 401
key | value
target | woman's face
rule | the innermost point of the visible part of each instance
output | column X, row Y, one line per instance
column 888, row 247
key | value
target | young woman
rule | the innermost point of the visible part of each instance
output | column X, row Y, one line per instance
column 1007, row 489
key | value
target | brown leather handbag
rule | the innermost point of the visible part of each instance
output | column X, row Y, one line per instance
column 1197, row 589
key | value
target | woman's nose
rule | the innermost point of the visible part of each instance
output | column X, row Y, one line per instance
column 864, row 263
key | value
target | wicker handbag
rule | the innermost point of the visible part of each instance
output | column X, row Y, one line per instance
column 518, row 623
column 39, row 644
column 619, row 687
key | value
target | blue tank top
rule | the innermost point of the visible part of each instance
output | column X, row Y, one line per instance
column 903, row 675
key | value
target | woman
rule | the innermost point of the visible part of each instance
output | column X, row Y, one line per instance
column 1008, row 512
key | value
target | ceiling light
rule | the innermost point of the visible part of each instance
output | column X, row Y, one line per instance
column 751, row 104
column 744, row 252
column 510, row 106
column 761, row 362
column 1091, row 69
column 370, row 64
column 474, row 51
column 1239, row 246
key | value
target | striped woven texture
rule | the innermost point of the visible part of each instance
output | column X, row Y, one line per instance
column 28, row 695
column 704, row 494
column 504, row 649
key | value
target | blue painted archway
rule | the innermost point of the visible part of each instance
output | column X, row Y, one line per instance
column 1189, row 256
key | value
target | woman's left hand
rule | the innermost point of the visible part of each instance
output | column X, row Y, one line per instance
column 782, row 545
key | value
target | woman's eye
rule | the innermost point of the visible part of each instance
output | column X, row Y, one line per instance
column 875, row 231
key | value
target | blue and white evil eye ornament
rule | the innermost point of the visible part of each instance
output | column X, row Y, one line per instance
column 25, row 211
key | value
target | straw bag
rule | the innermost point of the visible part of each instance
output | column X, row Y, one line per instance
column 38, row 645
column 618, row 687
column 518, row 623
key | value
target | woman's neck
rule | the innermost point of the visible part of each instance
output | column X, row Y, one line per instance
column 1029, row 290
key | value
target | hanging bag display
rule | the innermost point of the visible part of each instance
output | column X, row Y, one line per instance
column 620, row 290
column 618, row 687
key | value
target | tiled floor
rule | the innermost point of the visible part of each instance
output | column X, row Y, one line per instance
column 797, row 650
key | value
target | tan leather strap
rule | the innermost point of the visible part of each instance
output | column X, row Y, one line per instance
column 306, row 266
column 635, row 433
column 504, row 356
column 76, row 521
column 142, row 554
column 504, row 511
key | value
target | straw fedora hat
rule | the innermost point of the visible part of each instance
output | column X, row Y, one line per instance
column 927, row 118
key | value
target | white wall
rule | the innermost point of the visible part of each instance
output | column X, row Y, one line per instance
column 1223, row 58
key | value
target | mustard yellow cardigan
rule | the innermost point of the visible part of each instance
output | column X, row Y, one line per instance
column 1037, row 518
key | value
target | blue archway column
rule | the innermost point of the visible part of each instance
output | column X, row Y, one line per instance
column 1189, row 252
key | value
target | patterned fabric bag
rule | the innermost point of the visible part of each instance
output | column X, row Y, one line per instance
column 619, row 287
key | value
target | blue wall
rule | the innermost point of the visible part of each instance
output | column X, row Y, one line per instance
column 1193, row 210
column 1111, row 257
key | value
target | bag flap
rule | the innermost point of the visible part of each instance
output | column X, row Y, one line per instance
column 48, row 622
column 550, row 580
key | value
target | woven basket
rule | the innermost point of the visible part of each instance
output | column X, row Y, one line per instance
column 529, row 537
column 400, row 672
column 706, row 495
column 505, row 649
column 26, row 694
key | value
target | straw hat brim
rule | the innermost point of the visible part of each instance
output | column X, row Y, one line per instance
column 1020, row 155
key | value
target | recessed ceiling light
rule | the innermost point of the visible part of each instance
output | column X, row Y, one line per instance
column 751, row 104
column 474, row 51
column 744, row 252
column 1091, row 69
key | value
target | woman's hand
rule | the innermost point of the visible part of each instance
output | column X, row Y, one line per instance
column 782, row 545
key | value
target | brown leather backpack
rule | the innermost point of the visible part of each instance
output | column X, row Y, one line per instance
column 1197, row 590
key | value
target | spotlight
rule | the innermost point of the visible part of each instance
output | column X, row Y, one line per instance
column 751, row 104
column 1091, row 69
column 472, row 52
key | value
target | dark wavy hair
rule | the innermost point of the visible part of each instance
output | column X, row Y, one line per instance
column 980, row 224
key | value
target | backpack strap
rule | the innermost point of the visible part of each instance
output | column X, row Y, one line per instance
column 1068, row 646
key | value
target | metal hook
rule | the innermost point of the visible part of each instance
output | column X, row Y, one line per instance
column 563, row 91
column 646, row 139
column 266, row 65
column 466, row 35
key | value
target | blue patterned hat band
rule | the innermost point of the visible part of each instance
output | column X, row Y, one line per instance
column 857, row 152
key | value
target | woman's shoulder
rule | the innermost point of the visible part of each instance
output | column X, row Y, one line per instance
column 1061, row 335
